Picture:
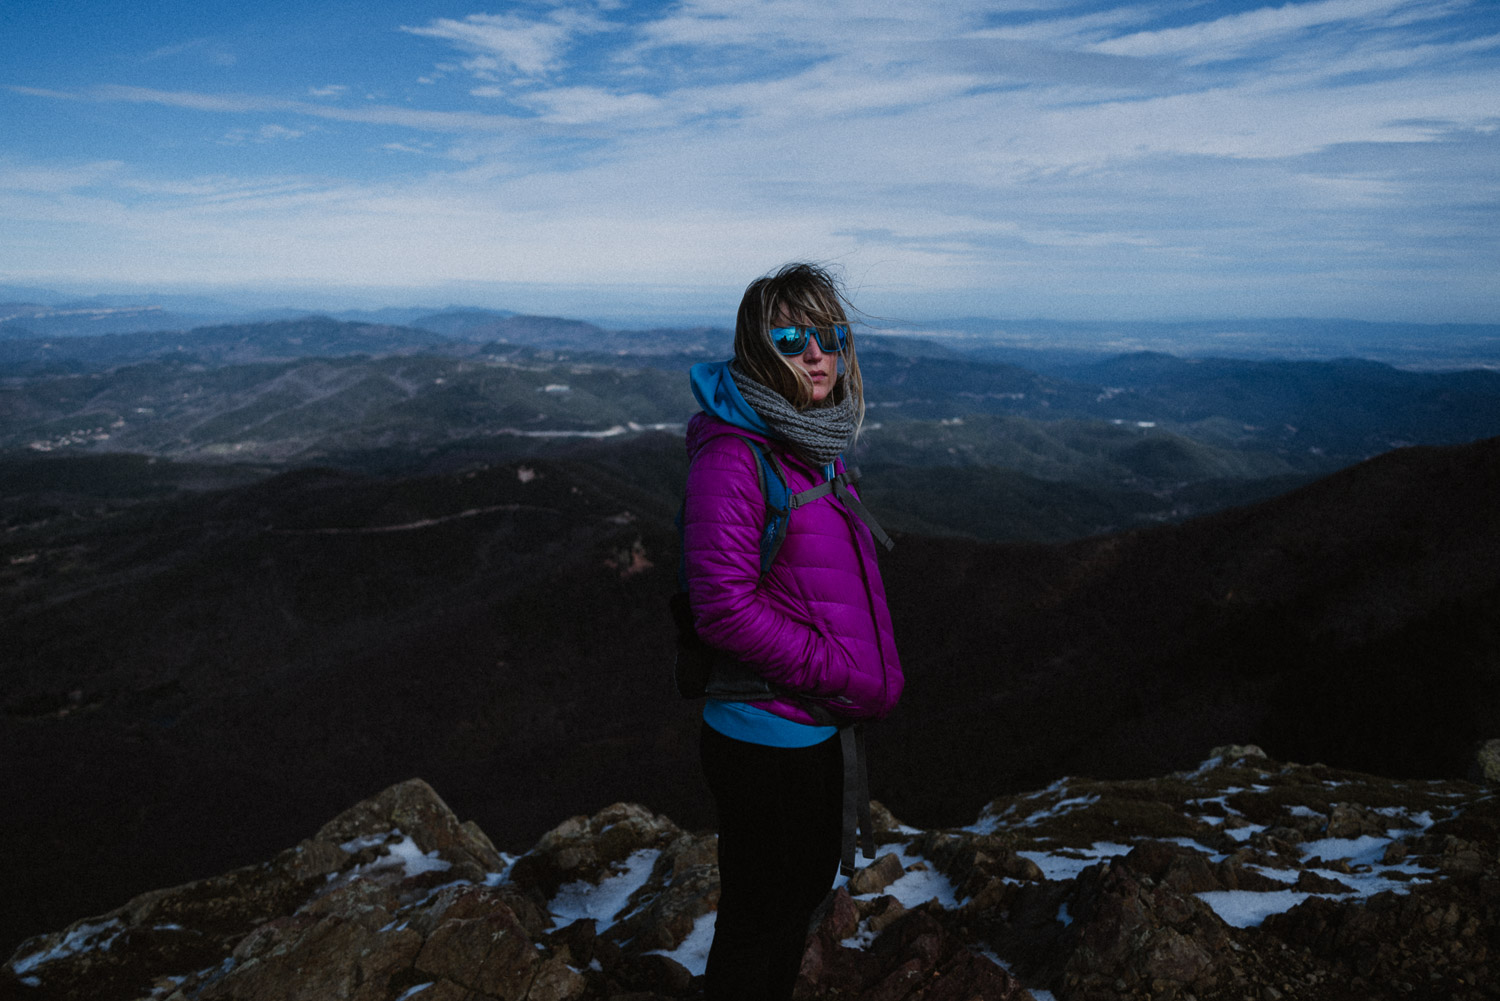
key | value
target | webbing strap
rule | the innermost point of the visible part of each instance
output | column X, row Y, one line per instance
column 839, row 487
column 858, row 824
column 853, row 504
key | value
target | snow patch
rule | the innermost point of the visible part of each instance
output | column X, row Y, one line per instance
column 1369, row 876
column 605, row 900
column 1246, row 909
column 400, row 853
column 692, row 951
column 85, row 937
column 920, row 883
column 1057, row 867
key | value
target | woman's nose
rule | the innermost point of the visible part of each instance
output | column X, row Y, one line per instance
column 814, row 351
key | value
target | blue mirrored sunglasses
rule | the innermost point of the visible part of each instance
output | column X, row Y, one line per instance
column 793, row 340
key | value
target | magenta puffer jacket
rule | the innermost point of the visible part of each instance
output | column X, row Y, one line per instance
column 817, row 622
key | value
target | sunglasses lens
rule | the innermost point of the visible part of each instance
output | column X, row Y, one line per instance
column 831, row 339
column 789, row 340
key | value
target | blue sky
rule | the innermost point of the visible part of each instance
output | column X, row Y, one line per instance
column 1032, row 158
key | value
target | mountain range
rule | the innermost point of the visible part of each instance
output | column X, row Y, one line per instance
column 1073, row 450
column 245, row 583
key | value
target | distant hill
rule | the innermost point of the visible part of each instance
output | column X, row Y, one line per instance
column 229, row 344
column 954, row 446
column 1355, row 620
column 1350, row 409
column 31, row 320
column 1414, row 345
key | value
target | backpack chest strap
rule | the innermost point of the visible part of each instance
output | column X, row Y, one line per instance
column 839, row 487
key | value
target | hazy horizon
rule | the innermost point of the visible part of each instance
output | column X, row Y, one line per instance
column 590, row 304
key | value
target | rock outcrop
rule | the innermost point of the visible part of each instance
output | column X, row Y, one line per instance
column 1245, row 879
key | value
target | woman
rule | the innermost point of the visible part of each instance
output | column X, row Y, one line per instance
column 814, row 625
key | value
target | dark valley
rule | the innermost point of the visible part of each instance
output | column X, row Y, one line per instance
column 254, row 574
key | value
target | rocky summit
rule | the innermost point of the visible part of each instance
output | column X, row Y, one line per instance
column 1245, row 879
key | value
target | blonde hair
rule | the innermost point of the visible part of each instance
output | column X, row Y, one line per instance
column 805, row 294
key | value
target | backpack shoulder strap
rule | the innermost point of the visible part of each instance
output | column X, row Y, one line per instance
column 773, row 488
column 771, row 476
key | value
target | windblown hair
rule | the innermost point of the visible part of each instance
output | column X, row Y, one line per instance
column 803, row 294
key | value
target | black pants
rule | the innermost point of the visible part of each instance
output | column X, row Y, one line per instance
column 780, row 824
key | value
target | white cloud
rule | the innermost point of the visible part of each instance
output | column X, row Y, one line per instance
column 506, row 41
column 332, row 90
column 15, row 176
column 1229, row 36
column 436, row 121
column 589, row 105
column 264, row 134
column 205, row 48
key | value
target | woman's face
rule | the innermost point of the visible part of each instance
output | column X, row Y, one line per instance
column 820, row 367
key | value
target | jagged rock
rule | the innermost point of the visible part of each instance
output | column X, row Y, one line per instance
column 1311, row 882
column 307, row 958
column 1182, row 868
column 914, row 957
column 555, row 980
column 578, row 938
column 683, row 886
column 1443, row 942
column 491, row 954
column 350, row 913
column 1460, row 858
column 1486, row 767
column 658, row 975
column 1090, row 889
column 923, row 961
column 1349, row 821
column 827, row 961
column 880, row 913
column 877, row 876
column 588, row 848
column 414, row 808
column 1126, row 930
column 974, row 862
column 1229, row 753
column 462, row 901
column 886, row 826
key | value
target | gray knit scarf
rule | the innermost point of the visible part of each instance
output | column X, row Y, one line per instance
column 819, row 433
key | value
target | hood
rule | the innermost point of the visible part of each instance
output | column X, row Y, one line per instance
column 716, row 393
column 725, row 411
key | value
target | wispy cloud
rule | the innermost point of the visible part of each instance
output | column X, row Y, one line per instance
column 264, row 134
column 437, row 121
column 1230, row 36
column 509, row 42
column 206, row 49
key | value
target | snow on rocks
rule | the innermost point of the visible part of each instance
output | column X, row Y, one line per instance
column 1243, row 878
